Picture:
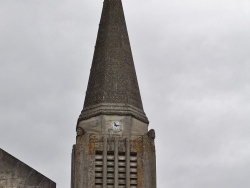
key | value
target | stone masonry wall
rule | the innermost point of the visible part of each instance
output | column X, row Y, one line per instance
column 16, row 174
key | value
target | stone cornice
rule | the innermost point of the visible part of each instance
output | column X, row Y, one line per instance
column 113, row 109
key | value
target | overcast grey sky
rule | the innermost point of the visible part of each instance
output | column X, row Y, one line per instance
column 193, row 62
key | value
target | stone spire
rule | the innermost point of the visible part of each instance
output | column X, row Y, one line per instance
column 113, row 87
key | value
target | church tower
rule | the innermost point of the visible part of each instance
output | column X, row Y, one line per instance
column 114, row 148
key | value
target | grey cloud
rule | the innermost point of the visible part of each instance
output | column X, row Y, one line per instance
column 192, row 64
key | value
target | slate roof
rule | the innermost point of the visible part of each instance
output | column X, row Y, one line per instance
column 113, row 87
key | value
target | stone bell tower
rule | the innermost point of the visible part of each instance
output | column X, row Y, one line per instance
column 114, row 148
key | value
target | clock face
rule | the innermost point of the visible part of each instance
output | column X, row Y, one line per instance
column 116, row 125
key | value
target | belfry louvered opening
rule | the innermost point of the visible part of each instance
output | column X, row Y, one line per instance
column 133, row 170
column 120, row 170
column 99, row 169
column 110, row 169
